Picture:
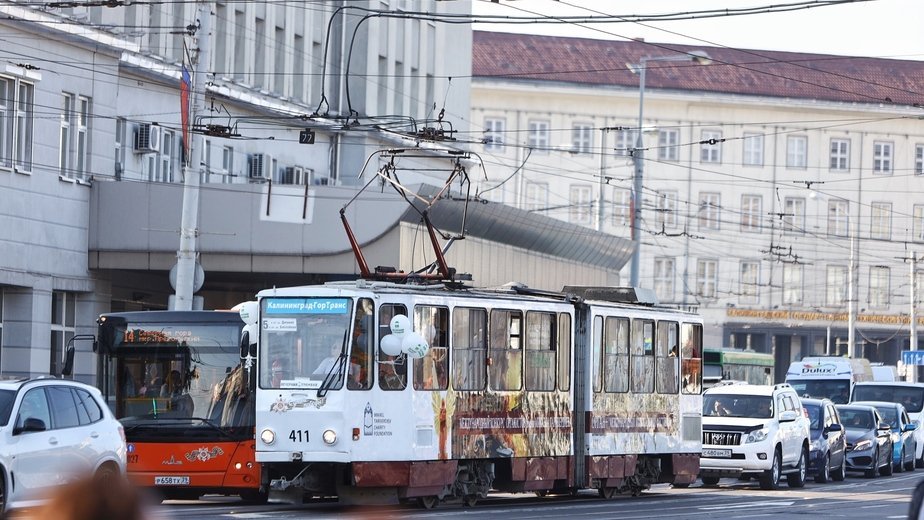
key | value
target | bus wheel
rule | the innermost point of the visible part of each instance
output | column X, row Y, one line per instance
column 428, row 502
column 255, row 496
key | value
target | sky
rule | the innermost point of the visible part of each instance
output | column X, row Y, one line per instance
column 874, row 28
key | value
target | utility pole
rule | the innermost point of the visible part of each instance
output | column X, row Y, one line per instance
column 186, row 256
column 911, row 371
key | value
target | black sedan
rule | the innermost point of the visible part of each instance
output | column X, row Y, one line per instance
column 828, row 448
column 869, row 440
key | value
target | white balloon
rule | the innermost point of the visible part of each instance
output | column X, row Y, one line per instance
column 414, row 345
column 249, row 312
column 400, row 325
column 390, row 345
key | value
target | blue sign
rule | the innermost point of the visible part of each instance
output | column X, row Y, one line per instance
column 913, row 357
column 307, row 305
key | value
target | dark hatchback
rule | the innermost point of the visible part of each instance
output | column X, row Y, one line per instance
column 828, row 448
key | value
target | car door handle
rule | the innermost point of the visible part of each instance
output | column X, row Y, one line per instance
column 95, row 435
column 52, row 440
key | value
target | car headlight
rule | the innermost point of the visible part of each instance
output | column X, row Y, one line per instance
column 329, row 436
column 863, row 445
column 268, row 436
column 758, row 435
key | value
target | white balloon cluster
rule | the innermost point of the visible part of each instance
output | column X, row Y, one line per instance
column 403, row 340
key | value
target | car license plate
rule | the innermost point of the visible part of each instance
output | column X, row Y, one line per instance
column 171, row 481
column 716, row 453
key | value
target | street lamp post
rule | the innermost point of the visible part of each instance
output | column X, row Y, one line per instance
column 698, row 57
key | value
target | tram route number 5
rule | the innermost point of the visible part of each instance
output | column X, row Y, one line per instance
column 296, row 435
column 306, row 136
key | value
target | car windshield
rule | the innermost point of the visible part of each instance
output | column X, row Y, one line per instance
column 730, row 405
column 889, row 415
column 837, row 390
column 6, row 405
column 856, row 419
column 912, row 398
column 814, row 413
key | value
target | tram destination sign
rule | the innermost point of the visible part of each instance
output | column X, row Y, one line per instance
column 913, row 357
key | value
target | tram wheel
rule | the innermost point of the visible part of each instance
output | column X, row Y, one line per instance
column 469, row 500
column 607, row 493
column 428, row 502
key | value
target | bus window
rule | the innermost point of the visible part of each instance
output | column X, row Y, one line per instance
column 431, row 372
column 596, row 362
column 392, row 369
column 361, row 358
column 691, row 364
column 642, row 352
column 506, row 372
column 668, row 360
column 564, row 351
column 540, row 350
column 616, row 339
column 469, row 348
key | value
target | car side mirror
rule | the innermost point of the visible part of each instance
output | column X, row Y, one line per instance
column 834, row 428
column 884, row 426
column 31, row 424
column 910, row 427
column 789, row 416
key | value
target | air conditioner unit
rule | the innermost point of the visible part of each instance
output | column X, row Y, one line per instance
column 147, row 138
column 260, row 167
column 293, row 175
column 323, row 181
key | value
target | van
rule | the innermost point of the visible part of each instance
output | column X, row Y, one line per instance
column 884, row 373
column 828, row 377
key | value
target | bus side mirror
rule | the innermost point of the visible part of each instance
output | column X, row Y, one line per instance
column 245, row 343
column 68, row 361
column 249, row 341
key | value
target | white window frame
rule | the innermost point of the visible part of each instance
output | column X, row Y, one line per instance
column 582, row 138
column 879, row 278
column 919, row 159
column 66, row 137
column 537, row 196
column 580, row 198
column 711, row 153
column 664, row 278
column 666, row 214
column 707, row 275
column 917, row 224
column 710, row 205
column 751, row 207
column 838, row 218
column 749, row 281
column 65, row 323
column 797, row 152
column 794, row 215
column 82, row 137
column 622, row 207
column 882, row 157
column 839, row 159
column 625, row 143
column 880, row 220
column 753, row 154
column 836, row 285
column 494, row 128
column 120, row 147
column 538, row 135
column 227, row 165
column 669, row 144
column 792, row 283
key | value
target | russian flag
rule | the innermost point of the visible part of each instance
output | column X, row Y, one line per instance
column 185, row 85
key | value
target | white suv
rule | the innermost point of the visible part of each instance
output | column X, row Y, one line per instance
column 754, row 431
column 52, row 431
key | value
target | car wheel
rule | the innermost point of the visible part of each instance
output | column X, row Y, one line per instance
column 2, row 494
column 841, row 473
column 710, row 481
column 797, row 479
column 874, row 471
column 770, row 479
column 886, row 469
column 824, row 472
column 909, row 466
column 898, row 468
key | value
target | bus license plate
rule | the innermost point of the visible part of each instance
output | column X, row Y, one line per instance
column 716, row 453
column 171, row 481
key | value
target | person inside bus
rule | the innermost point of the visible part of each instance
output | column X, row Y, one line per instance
column 175, row 390
column 153, row 384
column 327, row 364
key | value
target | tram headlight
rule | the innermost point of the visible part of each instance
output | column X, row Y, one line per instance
column 268, row 436
column 330, row 437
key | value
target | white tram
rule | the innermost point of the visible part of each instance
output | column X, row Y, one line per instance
column 508, row 389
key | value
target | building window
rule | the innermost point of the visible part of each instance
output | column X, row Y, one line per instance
column 227, row 165
column 706, row 278
column 580, row 204
column 750, row 282
column 917, row 225
column 918, row 289
column 537, row 196
column 840, row 155
column 65, row 143
column 796, row 151
column 664, row 279
column 882, row 157
column 538, row 138
column 81, row 151
column 879, row 286
column 919, row 159
column 750, row 213
column 668, row 145
column 794, row 215
column 622, row 205
column 667, row 209
column 165, row 171
column 16, row 110
column 709, row 206
column 753, row 149
column 792, row 284
column 838, row 218
column 494, row 134
column 120, row 145
column 625, row 143
column 880, row 222
column 63, row 327
column 711, row 148
column 582, row 138
column 836, row 285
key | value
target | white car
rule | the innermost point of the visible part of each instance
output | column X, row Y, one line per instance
column 53, row 431
column 754, row 431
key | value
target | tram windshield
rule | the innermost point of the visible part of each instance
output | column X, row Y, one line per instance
column 304, row 342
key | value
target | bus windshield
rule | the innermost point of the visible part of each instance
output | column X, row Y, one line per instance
column 304, row 342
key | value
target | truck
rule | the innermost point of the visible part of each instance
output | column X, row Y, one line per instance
column 828, row 377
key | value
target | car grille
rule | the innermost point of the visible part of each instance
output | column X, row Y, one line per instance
column 722, row 438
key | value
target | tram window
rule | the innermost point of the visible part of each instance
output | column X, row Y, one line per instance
column 642, row 351
column 361, row 357
column 392, row 369
column 596, row 363
column 540, row 350
column 431, row 372
column 668, row 360
column 564, row 351
column 616, row 341
column 506, row 372
column 691, row 373
column 469, row 348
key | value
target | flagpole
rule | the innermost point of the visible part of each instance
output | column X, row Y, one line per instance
column 186, row 265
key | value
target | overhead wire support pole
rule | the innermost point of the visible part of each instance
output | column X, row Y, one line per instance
column 912, row 370
column 189, row 221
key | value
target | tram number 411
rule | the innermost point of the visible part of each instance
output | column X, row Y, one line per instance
column 306, row 137
column 297, row 435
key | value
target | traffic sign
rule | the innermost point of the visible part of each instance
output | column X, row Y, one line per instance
column 913, row 357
